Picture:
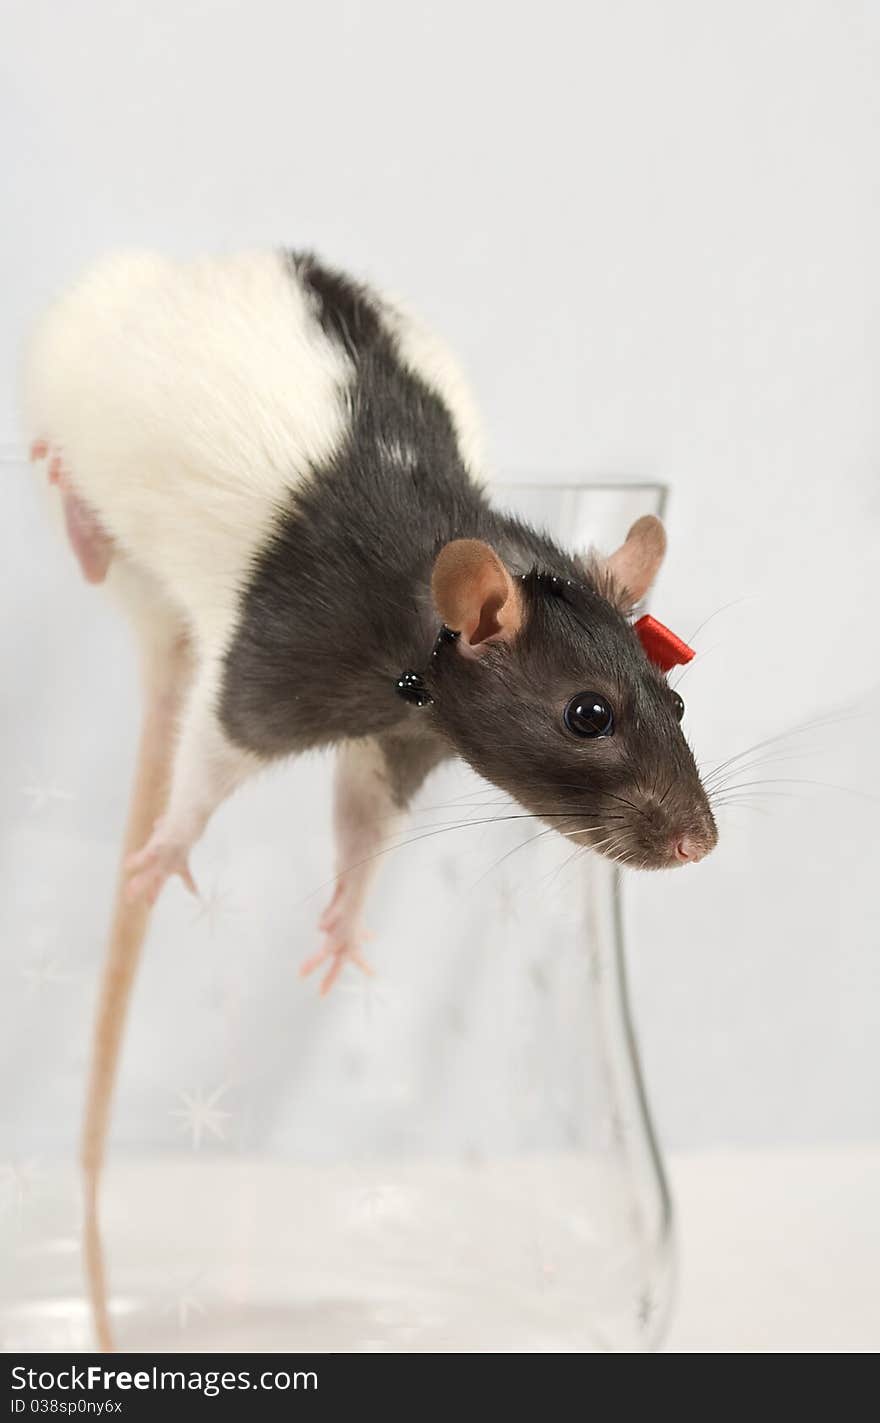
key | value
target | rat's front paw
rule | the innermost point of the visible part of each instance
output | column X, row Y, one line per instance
column 149, row 868
column 338, row 949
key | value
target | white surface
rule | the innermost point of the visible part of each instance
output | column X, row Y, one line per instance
column 780, row 1252
column 651, row 231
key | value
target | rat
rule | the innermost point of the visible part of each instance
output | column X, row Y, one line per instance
column 278, row 471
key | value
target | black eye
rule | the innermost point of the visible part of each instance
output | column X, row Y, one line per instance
column 677, row 705
column 588, row 714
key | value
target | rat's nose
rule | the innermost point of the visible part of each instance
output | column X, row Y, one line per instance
column 688, row 849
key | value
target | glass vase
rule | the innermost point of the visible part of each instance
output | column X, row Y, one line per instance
column 456, row 1154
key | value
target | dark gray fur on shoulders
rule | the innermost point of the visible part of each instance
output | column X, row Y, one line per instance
column 337, row 603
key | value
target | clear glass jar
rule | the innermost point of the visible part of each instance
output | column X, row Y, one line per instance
column 454, row 1155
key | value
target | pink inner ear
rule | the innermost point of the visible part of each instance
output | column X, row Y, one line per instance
column 489, row 624
column 662, row 647
column 474, row 594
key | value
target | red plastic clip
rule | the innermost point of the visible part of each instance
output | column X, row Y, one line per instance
column 662, row 647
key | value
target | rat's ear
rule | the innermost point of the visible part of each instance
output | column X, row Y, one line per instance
column 475, row 595
column 636, row 563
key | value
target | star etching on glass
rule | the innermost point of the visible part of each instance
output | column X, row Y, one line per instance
column 201, row 1116
column 40, row 795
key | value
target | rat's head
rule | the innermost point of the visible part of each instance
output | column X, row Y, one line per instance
column 548, row 692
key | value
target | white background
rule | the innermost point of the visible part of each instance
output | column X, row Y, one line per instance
column 651, row 232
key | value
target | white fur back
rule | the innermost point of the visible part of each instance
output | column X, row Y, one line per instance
column 187, row 399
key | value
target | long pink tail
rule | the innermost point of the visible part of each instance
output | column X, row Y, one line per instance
column 165, row 680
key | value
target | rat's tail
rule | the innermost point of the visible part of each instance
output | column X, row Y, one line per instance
column 166, row 668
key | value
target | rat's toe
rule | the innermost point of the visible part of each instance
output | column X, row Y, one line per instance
column 338, row 950
column 149, row 868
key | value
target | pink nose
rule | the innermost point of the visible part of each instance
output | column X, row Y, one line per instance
column 687, row 850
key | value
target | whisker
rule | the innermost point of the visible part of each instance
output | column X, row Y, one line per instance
column 745, row 805
column 550, row 830
column 801, row 781
column 783, row 736
column 413, row 839
column 689, row 667
column 576, row 854
column 494, row 820
column 775, row 760
column 775, row 795
column 665, row 793
column 746, row 598
column 623, row 801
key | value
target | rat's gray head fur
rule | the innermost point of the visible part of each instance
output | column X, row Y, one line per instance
column 550, row 695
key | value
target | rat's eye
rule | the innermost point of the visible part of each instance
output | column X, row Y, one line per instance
column 588, row 714
column 677, row 705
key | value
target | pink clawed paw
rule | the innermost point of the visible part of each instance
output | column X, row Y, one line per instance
column 337, row 954
column 150, row 867
column 342, row 945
